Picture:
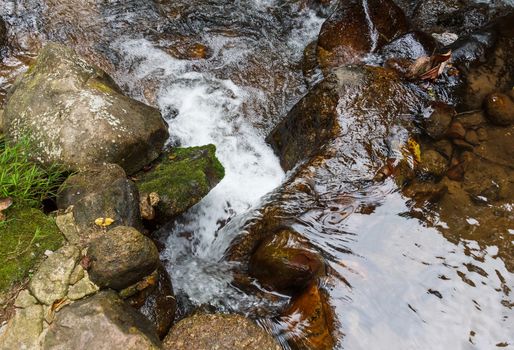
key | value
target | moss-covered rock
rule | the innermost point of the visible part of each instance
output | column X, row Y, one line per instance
column 181, row 179
column 24, row 237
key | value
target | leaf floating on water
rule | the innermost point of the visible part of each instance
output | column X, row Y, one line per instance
column 104, row 222
column 429, row 68
column 412, row 148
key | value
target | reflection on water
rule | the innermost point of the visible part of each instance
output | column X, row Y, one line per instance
column 412, row 288
column 402, row 275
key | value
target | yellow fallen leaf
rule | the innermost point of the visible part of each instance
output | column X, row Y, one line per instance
column 104, row 222
column 414, row 149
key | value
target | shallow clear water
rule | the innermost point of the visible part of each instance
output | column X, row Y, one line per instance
column 407, row 284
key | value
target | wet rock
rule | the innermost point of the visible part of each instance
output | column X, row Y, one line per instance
column 500, row 109
column 482, row 134
column 456, row 16
column 189, row 51
column 423, row 191
column 101, row 191
column 23, row 330
column 462, row 145
column 181, row 179
column 471, row 137
column 456, row 131
column 121, row 257
column 75, row 115
column 25, row 237
column 311, row 313
column 286, row 262
column 3, row 34
column 346, row 36
column 102, row 321
column 157, row 301
column 439, row 120
column 315, row 118
column 206, row 332
column 493, row 71
column 499, row 147
column 471, row 119
column 445, row 148
column 50, row 282
column 433, row 163
column 310, row 63
column 410, row 46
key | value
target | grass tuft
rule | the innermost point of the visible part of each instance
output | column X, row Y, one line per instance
column 23, row 180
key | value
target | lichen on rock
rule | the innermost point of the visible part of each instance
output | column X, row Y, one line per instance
column 75, row 115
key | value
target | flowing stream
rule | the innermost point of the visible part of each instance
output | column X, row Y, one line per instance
column 409, row 286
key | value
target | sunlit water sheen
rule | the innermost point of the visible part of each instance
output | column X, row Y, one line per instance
column 408, row 286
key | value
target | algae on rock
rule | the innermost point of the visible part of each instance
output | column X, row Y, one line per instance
column 182, row 178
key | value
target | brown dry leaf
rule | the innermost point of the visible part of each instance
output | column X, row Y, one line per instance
column 429, row 68
column 4, row 204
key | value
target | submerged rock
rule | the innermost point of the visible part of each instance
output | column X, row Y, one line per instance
column 103, row 321
column 500, row 109
column 75, row 115
column 121, row 257
column 206, row 332
column 286, row 262
column 181, row 179
column 493, row 70
column 313, row 314
column 101, row 191
column 25, row 236
column 356, row 28
column 439, row 120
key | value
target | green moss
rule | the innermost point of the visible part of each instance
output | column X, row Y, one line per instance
column 183, row 177
column 24, row 237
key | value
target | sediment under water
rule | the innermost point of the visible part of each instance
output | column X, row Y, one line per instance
column 408, row 285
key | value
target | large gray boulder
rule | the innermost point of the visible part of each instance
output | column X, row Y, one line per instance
column 76, row 115
column 103, row 321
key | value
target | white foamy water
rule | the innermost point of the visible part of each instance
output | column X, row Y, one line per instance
column 208, row 110
column 202, row 109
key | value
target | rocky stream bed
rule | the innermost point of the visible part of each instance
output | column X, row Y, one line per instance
column 260, row 174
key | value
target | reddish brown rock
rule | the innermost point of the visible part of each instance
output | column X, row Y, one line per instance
column 312, row 311
column 456, row 131
column 286, row 262
column 347, row 35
